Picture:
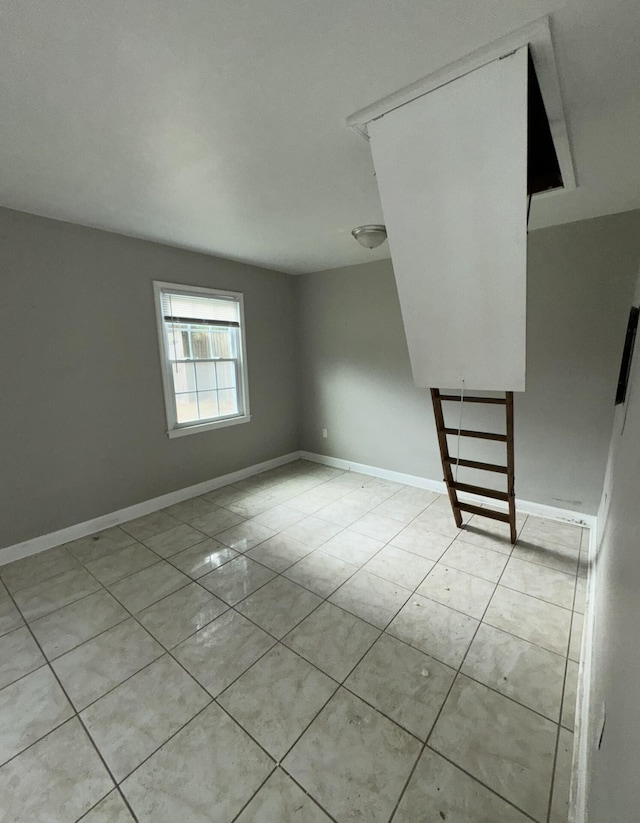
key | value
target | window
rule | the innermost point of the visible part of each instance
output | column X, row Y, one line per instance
column 204, row 365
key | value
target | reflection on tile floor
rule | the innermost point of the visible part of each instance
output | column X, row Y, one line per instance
column 305, row 645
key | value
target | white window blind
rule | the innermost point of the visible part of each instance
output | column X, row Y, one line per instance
column 180, row 307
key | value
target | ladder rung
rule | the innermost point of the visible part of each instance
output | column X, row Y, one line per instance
column 470, row 489
column 490, row 513
column 497, row 400
column 475, row 464
column 482, row 435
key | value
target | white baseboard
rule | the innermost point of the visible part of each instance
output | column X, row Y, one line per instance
column 58, row 538
column 525, row 506
column 583, row 733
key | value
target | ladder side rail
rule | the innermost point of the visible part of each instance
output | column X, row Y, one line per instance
column 444, row 456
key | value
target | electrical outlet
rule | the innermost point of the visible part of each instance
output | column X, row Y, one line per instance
column 325, row 433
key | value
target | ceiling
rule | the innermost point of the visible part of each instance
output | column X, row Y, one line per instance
column 220, row 126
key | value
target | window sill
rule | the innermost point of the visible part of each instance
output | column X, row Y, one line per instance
column 205, row 427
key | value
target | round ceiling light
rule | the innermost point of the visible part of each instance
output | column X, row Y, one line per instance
column 370, row 236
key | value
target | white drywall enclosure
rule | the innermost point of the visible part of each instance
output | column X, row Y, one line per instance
column 452, row 174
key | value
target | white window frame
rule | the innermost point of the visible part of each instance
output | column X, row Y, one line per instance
column 175, row 429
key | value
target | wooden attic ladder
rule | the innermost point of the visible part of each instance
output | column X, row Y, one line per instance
column 453, row 487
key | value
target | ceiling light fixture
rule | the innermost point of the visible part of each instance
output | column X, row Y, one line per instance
column 370, row 236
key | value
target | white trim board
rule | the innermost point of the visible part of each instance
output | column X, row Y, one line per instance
column 58, row 538
column 525, row 506
column 583, row 733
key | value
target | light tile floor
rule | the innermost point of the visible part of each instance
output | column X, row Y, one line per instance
column 307, row 645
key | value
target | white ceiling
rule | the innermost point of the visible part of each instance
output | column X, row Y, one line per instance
column 220, row 126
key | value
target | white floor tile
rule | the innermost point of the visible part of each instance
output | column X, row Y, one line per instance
column 371, row 598
column 181, row 614
column 476, row 560
column 237, row 579
column 222, row 651
column 207, row 771
column 279, row 606
column 19, row 655
column 459, row 590
column 353, row 760
column 43, row 598
column 68, row 627
column 174, row 540
column 521, row 670
column 437, row 630
column 94, row 668
column 531, row 619
column 507, row 747
column 112, row 809
column 281, row 800
column 320, row 572
column 406, row 685
column 277, row 698
column 204, row 557
column 217, row 580
column 399, row 566
column 440, row 791
column 58, row 779
column 539, row 581
column 332, row 640
column 139, row 715
column 145, row 587
column 29, row 709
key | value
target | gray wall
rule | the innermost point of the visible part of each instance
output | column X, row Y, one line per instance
column 81, row 404
column 614, row 790
column 356, row 381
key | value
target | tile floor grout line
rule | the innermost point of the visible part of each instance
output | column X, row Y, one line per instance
column 33, row 742
column 324, row 599
column 363, row 567
column 475, row 679
column 49, row 580
column 557, row 744
column 39, row 582
column 299, row 785
column 260, row 787
column 444, row 702
column 278, row 640
column 482, row 783
column 456, row 672
column 45, row 662
column 131, row 615
column 164, row 742
column 118, row 791
column 339, row 683
column 77, row 716
column 191, row 676
column 138, row 541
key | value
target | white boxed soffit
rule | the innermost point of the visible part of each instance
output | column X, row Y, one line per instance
column 451, row 168
column 537, row 36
